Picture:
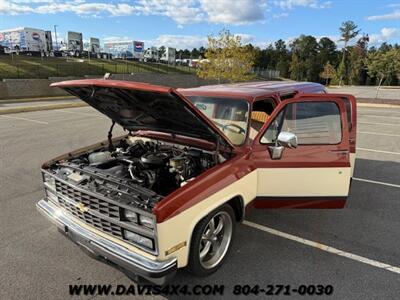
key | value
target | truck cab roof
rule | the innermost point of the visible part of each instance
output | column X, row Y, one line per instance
column 253, row 90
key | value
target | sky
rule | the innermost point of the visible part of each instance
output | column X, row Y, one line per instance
column 186, row 24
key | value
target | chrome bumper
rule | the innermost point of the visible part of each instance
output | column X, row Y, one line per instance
column 156, row 271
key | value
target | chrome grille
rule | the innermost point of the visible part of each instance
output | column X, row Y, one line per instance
column 104, row 207
column 95, row 221
column 98, row 212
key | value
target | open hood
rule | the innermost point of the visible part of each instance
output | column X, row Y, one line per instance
column 139, row 106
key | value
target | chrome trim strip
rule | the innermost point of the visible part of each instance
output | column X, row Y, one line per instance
column 132, row 259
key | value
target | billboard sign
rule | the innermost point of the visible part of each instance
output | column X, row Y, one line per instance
column 123, row 49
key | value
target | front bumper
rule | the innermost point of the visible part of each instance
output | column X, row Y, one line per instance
column 155, row 271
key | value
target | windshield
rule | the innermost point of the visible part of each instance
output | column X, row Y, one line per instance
column 230, row 115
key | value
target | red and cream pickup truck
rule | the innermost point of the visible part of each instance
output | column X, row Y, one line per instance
column 169, row 193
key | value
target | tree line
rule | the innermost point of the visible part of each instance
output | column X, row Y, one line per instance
column 307, row 58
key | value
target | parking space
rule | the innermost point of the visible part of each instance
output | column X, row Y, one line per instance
column 37, row 262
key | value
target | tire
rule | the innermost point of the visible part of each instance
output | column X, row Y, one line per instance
column 208, row 250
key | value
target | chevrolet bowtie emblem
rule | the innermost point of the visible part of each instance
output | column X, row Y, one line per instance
column 82, row 207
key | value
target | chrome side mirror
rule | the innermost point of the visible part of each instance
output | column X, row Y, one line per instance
column 285, row 140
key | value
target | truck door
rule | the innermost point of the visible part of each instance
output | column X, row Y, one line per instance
column 302, row 154
column 351, row 111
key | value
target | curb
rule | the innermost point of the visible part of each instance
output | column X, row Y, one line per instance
column 16, row 110
column 36, row 99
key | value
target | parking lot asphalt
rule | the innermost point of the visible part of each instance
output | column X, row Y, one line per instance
column 385, row 92
column 37, row 262
column 6, row 104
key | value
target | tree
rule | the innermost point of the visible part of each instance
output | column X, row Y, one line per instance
column 186, row 53
column 268, row 59
column 306, row 49
column 383, row 64
column 227, row 59
column 341, row 71
column 195, row 54
column 348, row 31
column 327, row 52
column 202, row 50
column 328, row 73
column 282, row 55
column 357, row 60
column 295, row 67
column 385, row 47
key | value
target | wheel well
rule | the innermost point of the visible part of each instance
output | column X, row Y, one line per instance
column 237, row 205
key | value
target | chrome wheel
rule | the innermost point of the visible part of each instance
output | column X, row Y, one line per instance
column 215, row 240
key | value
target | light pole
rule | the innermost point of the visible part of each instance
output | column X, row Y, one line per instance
column 55, row 33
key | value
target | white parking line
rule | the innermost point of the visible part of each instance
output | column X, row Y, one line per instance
column 387, row 110
column 378, row 151
column 377, row 116
column 79, row 113
column 323, row 247
column 377, row 182
column 378, row 133
column 385, row 124
column 25, row 119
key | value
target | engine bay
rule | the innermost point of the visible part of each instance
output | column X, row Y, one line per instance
column 138, row 164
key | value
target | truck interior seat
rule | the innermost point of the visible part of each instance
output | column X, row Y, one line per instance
column 258, row 119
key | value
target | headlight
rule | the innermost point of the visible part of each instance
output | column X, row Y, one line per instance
column 146, row 221
column 138, row 239
column 130, row 215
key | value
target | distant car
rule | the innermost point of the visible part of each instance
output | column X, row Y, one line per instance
column 169, row 193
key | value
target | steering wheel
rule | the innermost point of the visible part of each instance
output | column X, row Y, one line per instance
column 226, row 126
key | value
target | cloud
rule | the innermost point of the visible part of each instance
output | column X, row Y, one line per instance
column 181, row 12
column 192, row 11
column 234, row 12
column 116, row 38
column 390, row 16
column 78, row 7
column 93, row 9
column 179, row 41
column 289, row 4
column 13, row 9
column 386, row 35
column 281, row 15
column 182, row 41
